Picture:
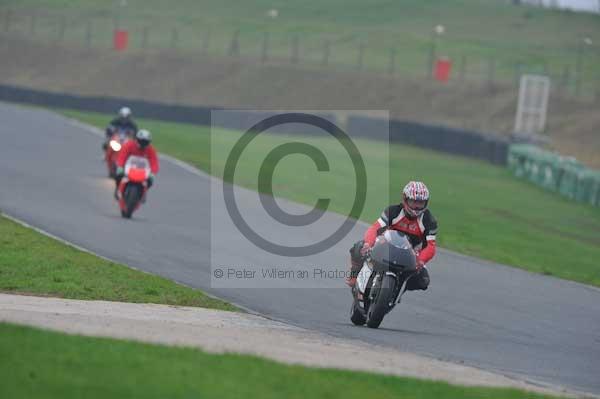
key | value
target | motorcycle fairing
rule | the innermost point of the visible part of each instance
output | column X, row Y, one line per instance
column 363, row 277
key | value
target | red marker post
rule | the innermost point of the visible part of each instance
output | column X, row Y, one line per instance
column 120, row 39
column 443, row 67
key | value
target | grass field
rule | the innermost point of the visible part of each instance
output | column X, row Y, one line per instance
column 32, row 263
column 482, row 210
column 483, row 31
column 43, row 364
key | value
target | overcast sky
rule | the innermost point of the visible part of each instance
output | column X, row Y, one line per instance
column 584, row 5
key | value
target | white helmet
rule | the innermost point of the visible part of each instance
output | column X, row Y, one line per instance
column 143, row 137
column 125, row 112
column 415, row 198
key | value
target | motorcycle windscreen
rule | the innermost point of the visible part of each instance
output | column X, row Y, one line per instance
column 393, row 250
column 123, row 134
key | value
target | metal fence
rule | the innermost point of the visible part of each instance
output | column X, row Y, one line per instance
column 571, row 72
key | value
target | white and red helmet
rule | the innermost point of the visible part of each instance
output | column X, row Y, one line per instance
column 415, row 198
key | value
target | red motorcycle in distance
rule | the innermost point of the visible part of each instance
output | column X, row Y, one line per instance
column 133, row 185
column 116, row 142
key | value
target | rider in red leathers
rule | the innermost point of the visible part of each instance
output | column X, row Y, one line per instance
column 140, row 147
column 413, row 219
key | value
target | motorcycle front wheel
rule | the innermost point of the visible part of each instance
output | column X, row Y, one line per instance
column 380, row 304
column 132, row 195
column 356, row 315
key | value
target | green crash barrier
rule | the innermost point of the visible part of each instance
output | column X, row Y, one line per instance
column 569, row 180
column 588, row 189
column 555, row 173
column 518, row 156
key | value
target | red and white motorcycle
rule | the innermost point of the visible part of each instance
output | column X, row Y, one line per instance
column 134, row 185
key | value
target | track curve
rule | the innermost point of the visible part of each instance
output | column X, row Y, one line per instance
column 478, row 313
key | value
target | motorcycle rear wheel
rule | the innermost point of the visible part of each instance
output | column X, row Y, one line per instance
column 380, row 304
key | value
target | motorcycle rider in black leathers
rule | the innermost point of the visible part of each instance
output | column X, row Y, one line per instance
column 122, row 121
column 413, row 218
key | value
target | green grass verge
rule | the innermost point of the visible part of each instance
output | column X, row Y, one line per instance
column 483, row 211
column 32, row 263
column 480, row 30
column 42, row 364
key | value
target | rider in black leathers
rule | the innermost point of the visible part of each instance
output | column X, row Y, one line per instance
column 122, row 121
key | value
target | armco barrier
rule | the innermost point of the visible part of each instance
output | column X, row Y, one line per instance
column 242, row 120
column 236, row 119
column 147, row 109
column 490, row 148
column 456, row 141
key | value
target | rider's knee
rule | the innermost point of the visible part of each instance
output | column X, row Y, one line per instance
column 355, row 254
column 419, row 282
column 424, row 279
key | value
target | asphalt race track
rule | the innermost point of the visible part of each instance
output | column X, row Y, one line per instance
column 485, row 315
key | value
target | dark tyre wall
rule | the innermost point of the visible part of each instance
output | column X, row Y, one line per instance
column 490, row 148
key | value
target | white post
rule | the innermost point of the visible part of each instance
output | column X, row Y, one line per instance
column 534, row 91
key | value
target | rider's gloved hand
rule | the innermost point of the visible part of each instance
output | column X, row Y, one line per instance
column 365, row 249
column 420, row 264
column 150, row 181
